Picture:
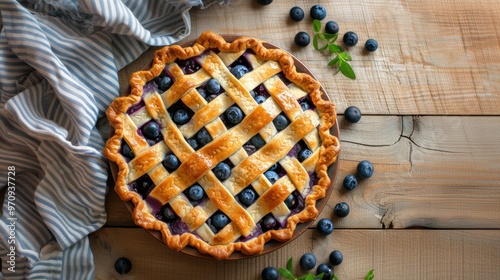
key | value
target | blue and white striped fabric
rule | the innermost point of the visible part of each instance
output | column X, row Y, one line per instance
column 58, row 73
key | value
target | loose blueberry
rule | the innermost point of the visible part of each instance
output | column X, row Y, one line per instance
column 168, row 214
column 364, row 169
column 281, row 122
column 268, row 223
column 220, row 220
column 222, row 171
column 325, row 226
column 336, row 257
column 307, row 261
column 181, row 117
column 270, row 273
column 164, row 82
column 196, row 192
column 352, row 114
column 371, row 45
column 350, row 182
column 305, row 153
column 171, row 162
column 302, row 39
column 247, row 196
column 239, row 70
column 193, row 143
column 126, row 151
column 151, row 130
column 234, row 115
column 341, row 209
column 123, row 265
column 271, row 176
column 296, row 13
column 318, row 12
column 350, row 39
column 265, row 2
column 213, row 86
column 326, row 270
column 203, row 137
column 260, row 99
column 291, row 201
column 332, row 27
column 257, row 141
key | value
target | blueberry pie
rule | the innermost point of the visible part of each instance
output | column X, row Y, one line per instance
column 222, row 146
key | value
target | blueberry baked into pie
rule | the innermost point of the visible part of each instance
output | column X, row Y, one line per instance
column 222, row 146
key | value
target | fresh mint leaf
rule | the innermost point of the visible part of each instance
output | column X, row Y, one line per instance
column 310, row 276
column 316, row 26
column 346, row 69
column 285, row 273
column 335, row 277
column 333, row 61
column 331, row 37
column 332, row 48
column 370, row 275
column 316, row 43
column 289, row 265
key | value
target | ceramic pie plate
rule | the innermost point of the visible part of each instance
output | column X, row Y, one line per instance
column 301, row 227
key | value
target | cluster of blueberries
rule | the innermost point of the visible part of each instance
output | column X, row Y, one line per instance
column 318, row 12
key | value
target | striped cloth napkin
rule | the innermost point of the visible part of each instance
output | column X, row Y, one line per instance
column 58, row 73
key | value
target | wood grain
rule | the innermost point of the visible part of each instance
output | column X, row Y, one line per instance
column 393, row 254
column 434, row 57
column 430, row 171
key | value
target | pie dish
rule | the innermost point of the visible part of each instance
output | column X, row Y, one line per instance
column 222, row 146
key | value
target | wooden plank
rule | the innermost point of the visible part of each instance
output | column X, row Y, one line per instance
column 434, row 57
column 393, row 254
column 439, row 172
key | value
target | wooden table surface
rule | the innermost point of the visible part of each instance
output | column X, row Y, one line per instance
column 430, row 98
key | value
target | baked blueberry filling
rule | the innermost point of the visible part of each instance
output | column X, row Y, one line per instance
column 182, row 114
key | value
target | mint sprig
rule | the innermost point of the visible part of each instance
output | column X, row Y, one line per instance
column 370, row 275
column 288, row 272
column 325, row 41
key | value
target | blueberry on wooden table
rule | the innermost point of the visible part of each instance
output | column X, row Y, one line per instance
column 270, row 273
column 318, row 12
column 350, row 39
column 352, row 114
column 350, row 182
column 302, row 39
column 327, row 271
column 123, row 265
column 331, row 27
column 296, row 13
column 307, row 261
column 336, row 257
column 364, row 169
column 371, row 45
column 325, row 226
column 264, row 2
column 341, row 209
